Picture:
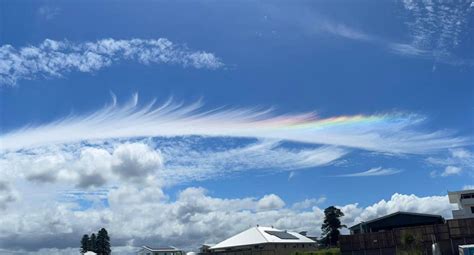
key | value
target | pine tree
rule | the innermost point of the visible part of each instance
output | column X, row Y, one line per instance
column 85, row 244
column 103, row 242
column 331, row 226
column 93, row 243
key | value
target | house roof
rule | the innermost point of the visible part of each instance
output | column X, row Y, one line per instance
column 261, row 235
column 395, row 214
column 164, row 248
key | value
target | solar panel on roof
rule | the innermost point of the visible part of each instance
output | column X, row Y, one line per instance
column 281, row 234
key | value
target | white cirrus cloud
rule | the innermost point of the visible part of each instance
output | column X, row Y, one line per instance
column 457, row 160
column 391, row 133
column 53, row 58
column 184, row 162
column 377, row 171
column 436, row 27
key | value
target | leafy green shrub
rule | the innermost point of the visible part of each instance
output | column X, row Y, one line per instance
column 331, row 251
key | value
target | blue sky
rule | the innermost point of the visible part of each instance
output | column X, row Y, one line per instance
column 384, row 92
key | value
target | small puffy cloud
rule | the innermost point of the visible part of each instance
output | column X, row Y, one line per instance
column 309, row 203
column 270, row 202
column 451, row 170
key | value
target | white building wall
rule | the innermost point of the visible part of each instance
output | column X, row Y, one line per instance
column 465, row 202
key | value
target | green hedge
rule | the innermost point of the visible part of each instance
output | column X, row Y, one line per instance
column 331, row 251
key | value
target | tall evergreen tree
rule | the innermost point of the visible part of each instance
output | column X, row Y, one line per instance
column 331, row 226
column 85, row 244
column 93, row 243
column 103, row 242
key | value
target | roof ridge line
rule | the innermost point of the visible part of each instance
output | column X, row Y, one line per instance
column 258, row 230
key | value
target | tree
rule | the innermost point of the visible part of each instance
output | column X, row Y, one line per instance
column 103, row 242
column 93, row 243
column 85, row 244
column 331, row 226
column 411, row 244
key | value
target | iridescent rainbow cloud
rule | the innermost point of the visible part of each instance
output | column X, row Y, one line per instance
column 390, row 133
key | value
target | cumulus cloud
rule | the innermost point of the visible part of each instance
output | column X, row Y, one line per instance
column 270, row 202
column 377, row 171
column 309, row 203
column 7, row 195
column 135, row 160
column 398, row 202
column 83, row 166
column 56, row 58
column 138, row 215
column 403, row 132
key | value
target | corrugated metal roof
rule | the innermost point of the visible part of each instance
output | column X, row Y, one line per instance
column 395, row 214
column 259, row 235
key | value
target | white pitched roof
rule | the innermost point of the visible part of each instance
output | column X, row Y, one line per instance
column 260, row 235
column 166, row 248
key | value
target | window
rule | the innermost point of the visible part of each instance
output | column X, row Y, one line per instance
column 466, row 196
column 472, row 209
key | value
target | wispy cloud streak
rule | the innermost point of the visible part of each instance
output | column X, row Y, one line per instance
column 393, row 133
column 187, row 163
column 378, row 171
column 55, row 58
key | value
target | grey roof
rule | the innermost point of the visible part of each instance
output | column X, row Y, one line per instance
column 397, row 213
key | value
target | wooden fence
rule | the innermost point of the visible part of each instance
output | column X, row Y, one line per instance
column 448, row 235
